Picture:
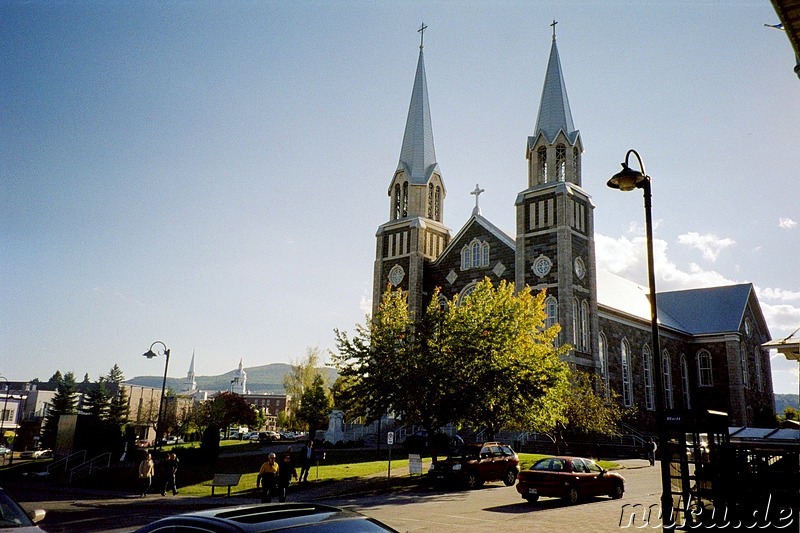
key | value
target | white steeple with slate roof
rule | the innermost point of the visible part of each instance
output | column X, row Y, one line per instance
column 554, row 150
column 415, row 233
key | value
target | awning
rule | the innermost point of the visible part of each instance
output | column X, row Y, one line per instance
column 789, row 346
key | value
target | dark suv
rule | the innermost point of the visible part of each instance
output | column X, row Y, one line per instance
column 474, row 464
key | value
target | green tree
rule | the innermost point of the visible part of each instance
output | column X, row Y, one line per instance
column 482, row 361
column 300, row 378
column 97, row 399
column 582, row 406
column 315, row 405
column 64, row 402
column 118, row 406
column 508, row 355
column 789, row 413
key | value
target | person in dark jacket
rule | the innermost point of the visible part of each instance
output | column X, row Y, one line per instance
column 286, row 472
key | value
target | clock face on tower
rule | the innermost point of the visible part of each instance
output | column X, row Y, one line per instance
column 396, row 275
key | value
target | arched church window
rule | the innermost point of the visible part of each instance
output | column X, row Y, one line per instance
column 576, row 165
column 603, row 347
column 405, row 199
column 561, row 162
column 666, row 374
column 745, row 370
column 476, row 254
column 485, row 254
column 627, row 386
column 704, row 374
column 465, row 258
column 585, row 325
column 541, row 164
column 576, row 330
column 466, row 291
column 396, row 210
column 551, row 306
column 430, row 200
column 685, row 384
column 759, row 372
column 647, row 365
column 437, row 205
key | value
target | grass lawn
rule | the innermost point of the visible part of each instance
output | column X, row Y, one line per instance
column 339, row 465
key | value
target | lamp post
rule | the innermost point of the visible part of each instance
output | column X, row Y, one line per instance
column 150, row 354
column 628, row 180
column 789, row 347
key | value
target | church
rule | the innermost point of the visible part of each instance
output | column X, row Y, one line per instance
column 710, row 338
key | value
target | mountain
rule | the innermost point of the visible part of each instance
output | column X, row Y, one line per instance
column 260, row 379
column 782, row 401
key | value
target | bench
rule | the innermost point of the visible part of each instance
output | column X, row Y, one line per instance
column 225, row 480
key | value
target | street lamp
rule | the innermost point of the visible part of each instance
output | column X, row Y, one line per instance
column 150, row 354
column 789, row 347
column 628, row 180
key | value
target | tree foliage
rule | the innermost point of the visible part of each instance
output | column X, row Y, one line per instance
column 483, row 361
column 300, row 379
column 580, row 407
column 64, row 403
column 118, row 406
column 315, row 405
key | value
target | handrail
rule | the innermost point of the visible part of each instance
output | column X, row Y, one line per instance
column 66, row 460
column 91, row 465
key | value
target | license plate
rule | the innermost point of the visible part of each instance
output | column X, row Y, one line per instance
column 531, row 491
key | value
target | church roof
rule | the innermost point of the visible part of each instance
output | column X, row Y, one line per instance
column 418, row 156
column 554, row 111
column 692, row 311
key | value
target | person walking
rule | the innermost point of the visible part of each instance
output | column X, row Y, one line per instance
column 308, row 458
column 267, row 478
column 170, row 468
column 650, row 447
column 146, row 471
column 286, row 471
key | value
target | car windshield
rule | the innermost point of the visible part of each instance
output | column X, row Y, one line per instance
column 466, row 452
column 11, row 514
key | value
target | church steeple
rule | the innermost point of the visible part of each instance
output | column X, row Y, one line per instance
column 414, row 235
column 554, row 150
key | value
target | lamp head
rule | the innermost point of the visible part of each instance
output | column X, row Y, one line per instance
column 626, row 179
column 150, row 354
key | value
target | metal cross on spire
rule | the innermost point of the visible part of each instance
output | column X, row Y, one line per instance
column 421, row 32
column 477, row 192
column 554, row 28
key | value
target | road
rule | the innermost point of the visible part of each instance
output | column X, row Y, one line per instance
column 416, row 508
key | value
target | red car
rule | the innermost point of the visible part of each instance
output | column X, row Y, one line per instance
column 571, row 478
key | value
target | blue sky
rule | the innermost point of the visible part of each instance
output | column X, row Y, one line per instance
column 212, row 174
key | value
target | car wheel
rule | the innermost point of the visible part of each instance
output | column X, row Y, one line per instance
column 532, row 498
column 510, row 478
column 572, row 495
column 617, row 491
column 473, row 480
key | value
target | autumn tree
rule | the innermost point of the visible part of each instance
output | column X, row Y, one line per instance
column 582, row 406
column 300, row 378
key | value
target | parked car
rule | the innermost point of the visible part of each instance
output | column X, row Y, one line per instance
column 571, row 478
column 268, row 436
column 273, row 517
column 474, row 464
column 171, row 439
column 35, row 454
column 14, row 518
column 4, row 451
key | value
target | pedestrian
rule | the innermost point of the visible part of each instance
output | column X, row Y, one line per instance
column 286, row 471
column 308, row 458
column 650, row 447
column 267, row 478
column 169, row 469
column 146, row 471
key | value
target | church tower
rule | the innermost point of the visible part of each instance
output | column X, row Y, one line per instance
column 190, row 385
column 555, row 222
column 415, row 234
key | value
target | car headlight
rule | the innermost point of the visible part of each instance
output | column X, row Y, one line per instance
column 456, row 467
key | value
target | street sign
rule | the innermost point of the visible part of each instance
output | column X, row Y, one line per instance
column 390, row 438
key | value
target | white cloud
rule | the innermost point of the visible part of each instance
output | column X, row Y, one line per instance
column 786, row 223
column 709, row 244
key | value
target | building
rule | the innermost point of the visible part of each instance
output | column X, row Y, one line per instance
column 710, row 338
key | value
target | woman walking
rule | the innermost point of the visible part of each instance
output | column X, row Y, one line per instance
column 146, row 470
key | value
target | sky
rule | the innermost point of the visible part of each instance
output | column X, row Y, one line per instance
column 211, row 174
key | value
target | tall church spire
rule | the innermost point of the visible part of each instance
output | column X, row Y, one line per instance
column 417, row 156
column 554, row 112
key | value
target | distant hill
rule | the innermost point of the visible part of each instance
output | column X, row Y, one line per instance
column 260, row 379
column 784, row 400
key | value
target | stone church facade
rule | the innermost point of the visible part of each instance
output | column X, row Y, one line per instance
column 710, row 338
